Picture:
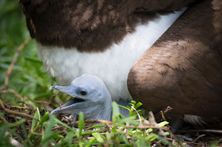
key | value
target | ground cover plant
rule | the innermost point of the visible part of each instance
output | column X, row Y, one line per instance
column 26, row 101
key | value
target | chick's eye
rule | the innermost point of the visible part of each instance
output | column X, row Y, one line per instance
column 83, row 92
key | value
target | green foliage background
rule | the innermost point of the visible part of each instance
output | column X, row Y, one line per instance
column 28, row 77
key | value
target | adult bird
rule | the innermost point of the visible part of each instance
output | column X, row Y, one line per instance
column 90, row 96
column 103, row 38
column 106, row 39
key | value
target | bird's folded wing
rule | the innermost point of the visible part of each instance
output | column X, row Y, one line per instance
column 183, row 69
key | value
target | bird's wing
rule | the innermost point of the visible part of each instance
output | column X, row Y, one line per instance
column 182, row 70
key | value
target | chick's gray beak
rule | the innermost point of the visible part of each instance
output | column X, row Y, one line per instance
column 70, row 90
column 72, row 104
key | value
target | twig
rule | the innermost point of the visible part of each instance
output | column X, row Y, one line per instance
column 148, row 127
column 109, row 123
column 106, row 122
column 200, row 136
column 42, row 102
column 12, row 91
column 140, row 119
column 14, row 112
column 14, row 60
column 15, row 142
column 201, row 131
column 3, row 119
column 152, row 119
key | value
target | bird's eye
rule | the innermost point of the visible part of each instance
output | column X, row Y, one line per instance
column 83, row 92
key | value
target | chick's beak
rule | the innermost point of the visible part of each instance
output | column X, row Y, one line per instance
column 72, row 104
column 70, row 90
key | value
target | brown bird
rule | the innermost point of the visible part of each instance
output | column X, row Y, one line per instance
column 106, row 39
column 183, row 70
column 102, row 38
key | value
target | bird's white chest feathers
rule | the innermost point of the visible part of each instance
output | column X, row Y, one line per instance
column 112, row 65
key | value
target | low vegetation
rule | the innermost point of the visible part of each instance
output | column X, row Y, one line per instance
column 25, row 102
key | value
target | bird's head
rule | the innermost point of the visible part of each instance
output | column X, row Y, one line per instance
column 90, row 96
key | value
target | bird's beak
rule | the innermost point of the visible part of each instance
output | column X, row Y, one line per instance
column 70, row 90
column 72, row 104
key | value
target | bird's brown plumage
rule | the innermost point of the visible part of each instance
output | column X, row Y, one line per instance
column 183, row 69
column 90, row 25
column 217, row 7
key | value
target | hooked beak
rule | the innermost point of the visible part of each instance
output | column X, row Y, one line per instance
column 72, row 104
column 70, row 90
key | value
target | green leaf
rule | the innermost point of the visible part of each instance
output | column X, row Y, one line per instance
column 141, row 142
column 49, row 134
column 138, row 104
column 116, row 111
column 152, row 137
column 44, row 118
column 35, row 119
column 98, row 137
column 69, row 138
column 91, row 142
column 81, row 123
column 163, row 124
column 33, row 60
